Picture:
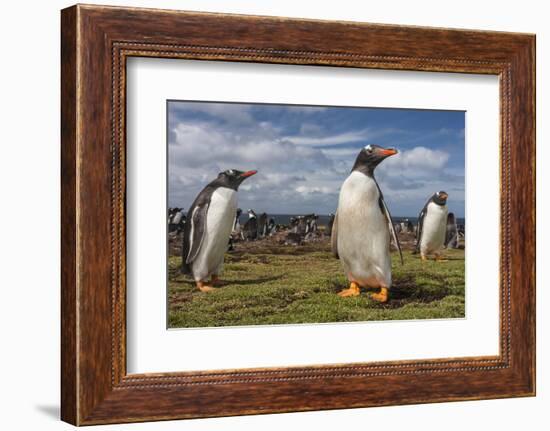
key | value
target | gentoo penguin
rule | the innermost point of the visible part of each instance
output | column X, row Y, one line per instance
column 432, row 226
column 236, row 232
column 451, row 237
column 250, row 228
column 301, row 226
column 237, row 228
column 311, row 220
column 363, row 227
column 237, row 224
column 179, row 220
column 176, row 219
column 330, row 223
column 293, row 224
column 271, row 226
column 262, row 225
column 209, row 223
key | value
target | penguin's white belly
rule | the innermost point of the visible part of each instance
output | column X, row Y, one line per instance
column 177, row 218
column 219, row 223
column 434, row 229
column 363, row 234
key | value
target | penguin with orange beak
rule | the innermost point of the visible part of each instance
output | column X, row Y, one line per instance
column 209, row 223
column 432, row 227
column 362, row 229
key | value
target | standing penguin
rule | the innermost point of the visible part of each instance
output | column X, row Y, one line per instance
column 451, row 237
column 330, row 223
column 293, row 224
column 237, row 223
column 432, row 226
column 363, row 227
column 262, row 225
column 209, row 223
column 237, row 228
column 271, row 226
column 301, row 226
column 250, row 229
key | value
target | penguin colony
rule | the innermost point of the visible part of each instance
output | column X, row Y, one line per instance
column 361, row 230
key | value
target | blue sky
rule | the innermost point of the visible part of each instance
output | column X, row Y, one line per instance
column 304, row 153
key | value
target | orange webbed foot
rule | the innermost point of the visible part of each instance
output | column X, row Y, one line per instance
column 382, row 296
column 353, row 290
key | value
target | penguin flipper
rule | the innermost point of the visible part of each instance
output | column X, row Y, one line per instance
column 197, row 231
column 334, row 236
column 393, row 234
column 419, row 227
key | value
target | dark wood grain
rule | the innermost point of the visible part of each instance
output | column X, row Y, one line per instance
column 69, row 397
column 96, row 41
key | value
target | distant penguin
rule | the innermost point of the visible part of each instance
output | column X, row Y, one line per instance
column 209, row 223
column 330, row 223
column 262, row 225
column 237, row 223
column 250, row 229
column 179, row 220
column 363, row 228
column 301, row 227
column 451, row 237
column 271, row 226
column 397, row 227
column 312, row 223
column 236, row 231
column 432, row 226
column 293, row 224
column 176, row 219
column 410, row 226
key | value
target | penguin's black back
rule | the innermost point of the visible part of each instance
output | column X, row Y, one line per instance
column 251, row 228
column 201, row 201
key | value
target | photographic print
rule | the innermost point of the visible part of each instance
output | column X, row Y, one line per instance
column 290, row 214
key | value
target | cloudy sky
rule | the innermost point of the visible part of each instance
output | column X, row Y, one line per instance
column 303, row 154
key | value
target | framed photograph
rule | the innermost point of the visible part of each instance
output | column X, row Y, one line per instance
column 266, row 215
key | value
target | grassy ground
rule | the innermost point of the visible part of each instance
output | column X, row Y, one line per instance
column 277, row 284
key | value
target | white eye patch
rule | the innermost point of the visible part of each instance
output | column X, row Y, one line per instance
column 368, row 147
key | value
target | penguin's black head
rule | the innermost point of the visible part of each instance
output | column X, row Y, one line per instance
column 251, row 213
column 232, row 178
column 369, row 157
column 440, row 198
column 451, row 218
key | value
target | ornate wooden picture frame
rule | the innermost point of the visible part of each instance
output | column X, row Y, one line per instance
column 96, row 42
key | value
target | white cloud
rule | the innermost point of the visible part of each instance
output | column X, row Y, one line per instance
column 314, row 190
column 230, row 112
column 294, row 175
column 305, row 109
column 419, row 162
column 341, row 138
column 199, row 150
column 349, row 153
column 409, row 178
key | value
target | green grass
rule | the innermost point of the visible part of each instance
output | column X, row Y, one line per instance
column 277, row 284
